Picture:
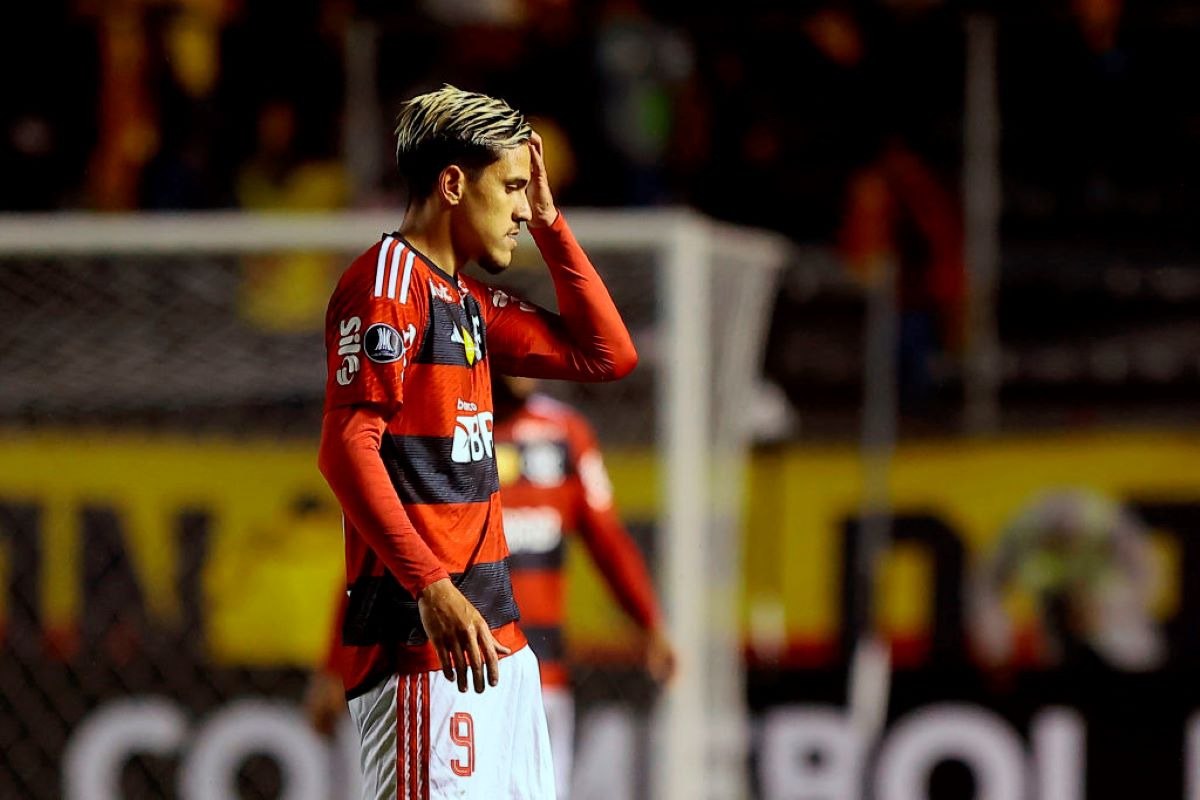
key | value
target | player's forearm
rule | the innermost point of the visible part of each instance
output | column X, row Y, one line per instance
column 591, row 319
column 630, row 584
column 624, row 570
column 349, row 460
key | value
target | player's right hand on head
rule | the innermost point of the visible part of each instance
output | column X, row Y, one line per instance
column 460, row 636
column 541, row 199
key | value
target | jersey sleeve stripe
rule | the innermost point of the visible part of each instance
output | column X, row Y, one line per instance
column 394, row 271
column 384, row 248
column 408, row 264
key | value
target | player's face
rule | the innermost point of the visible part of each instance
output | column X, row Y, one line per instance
column 493, row 207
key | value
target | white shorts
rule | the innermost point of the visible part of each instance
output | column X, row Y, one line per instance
column 422, row 739
column 560, row 719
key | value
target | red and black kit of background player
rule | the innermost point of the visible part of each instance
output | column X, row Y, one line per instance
column 555, row 486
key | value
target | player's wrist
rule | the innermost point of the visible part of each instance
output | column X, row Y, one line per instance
column 544, row 217
column 435, row 588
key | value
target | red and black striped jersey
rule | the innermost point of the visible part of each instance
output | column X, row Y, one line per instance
column 554, row 484
column 417, row 345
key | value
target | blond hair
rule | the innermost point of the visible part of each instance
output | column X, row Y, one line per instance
column 451, row 126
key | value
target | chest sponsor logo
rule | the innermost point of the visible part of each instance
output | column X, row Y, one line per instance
column 384, row 344
column 536, row 529
column 472, row 438
column 348, row 347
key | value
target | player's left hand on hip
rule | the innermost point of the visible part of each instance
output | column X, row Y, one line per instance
column 541, row 201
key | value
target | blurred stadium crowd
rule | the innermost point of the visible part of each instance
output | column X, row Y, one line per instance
column 818, row 119
column 759, row 116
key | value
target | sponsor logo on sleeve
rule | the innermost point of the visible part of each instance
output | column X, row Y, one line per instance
column 349, row 346
column 501, row 299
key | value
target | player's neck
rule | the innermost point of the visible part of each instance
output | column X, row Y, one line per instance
column 427, row 228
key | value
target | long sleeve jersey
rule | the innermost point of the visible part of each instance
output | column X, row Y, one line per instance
column 407, row 443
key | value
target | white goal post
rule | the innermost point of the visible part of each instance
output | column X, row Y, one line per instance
column 713, row 284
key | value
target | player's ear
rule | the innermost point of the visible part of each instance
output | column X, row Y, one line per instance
column 452, row 182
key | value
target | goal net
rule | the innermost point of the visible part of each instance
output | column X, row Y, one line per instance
column 169, row 554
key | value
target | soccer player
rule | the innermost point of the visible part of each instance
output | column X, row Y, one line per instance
column 406, row 446
column 553, row 482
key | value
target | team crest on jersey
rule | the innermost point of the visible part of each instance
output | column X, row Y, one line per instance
column 384, row 344
column 472, row 344
column 463, row 336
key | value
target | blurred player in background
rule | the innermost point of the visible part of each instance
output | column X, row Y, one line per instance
column 553, row 483
column 406, row 446
column 1085, row 561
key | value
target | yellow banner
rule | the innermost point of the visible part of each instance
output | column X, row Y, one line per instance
column 273, row 550
column 273, row 558
column 801, row 498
